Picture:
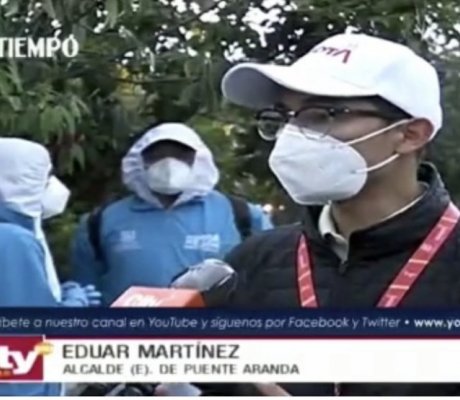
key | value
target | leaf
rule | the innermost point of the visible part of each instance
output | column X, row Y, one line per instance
column 67, row 118
column 112, row 9
column 79, row 32
column 5, row 85
column 57, row 124
column 152, row 61
column 13, row 8
column 64, row 165
column 128, row 6
column 45, row 123
column 144, row 5
column 77, row 153
column 15, row 103
column 49, row 8
column 14, row 75
column 84, row 109
column 74, row 109
column 70, row 9
column 188, row 95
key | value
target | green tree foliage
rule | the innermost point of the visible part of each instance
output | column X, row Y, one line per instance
column 142, row 61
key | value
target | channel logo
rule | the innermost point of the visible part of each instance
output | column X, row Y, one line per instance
column 21, row 357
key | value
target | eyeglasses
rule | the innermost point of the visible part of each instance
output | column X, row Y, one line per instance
column 320, row 118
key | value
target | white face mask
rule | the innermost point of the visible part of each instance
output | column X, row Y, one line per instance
column 169, row 176
column 315, row 168
column 55, row 198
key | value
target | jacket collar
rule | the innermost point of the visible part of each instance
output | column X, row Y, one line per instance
column 403, row 231
column 138, row 204
column 12, row 217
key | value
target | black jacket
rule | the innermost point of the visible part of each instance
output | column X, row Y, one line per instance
column 267, row 268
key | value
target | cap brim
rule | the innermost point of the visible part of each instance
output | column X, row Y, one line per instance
column 257, row 85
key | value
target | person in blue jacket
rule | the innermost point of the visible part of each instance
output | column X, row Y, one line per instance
column 173, row 219
column 28, row 194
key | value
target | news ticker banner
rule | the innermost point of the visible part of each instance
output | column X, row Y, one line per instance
column 229, row 323
column 29, row 358
column 211, row 345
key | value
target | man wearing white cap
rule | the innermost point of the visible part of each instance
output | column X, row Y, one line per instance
column 173, row 218
column 351, row 120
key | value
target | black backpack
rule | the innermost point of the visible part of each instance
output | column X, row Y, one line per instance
column 240, row 211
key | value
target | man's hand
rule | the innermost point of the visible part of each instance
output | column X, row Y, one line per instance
column 93, row 295
column 74, row 295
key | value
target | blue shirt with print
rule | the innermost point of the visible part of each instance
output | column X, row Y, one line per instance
column 148, row 246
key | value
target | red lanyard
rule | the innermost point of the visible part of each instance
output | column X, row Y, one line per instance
column 406, row 277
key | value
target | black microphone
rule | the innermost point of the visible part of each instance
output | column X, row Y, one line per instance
column 214, row 279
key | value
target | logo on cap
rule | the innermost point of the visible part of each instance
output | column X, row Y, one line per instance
column 333, row 52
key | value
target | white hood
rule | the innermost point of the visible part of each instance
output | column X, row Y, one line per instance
column 204, row 171
column 24, row 173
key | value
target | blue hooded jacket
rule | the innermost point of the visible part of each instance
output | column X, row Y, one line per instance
column 145, row 244
column 23, row 275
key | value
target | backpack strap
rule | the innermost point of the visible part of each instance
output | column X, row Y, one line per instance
column 94, row 231
column 242, row 215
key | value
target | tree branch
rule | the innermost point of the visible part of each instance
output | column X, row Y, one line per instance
column 175, row 27
column 82, row 14
column 158, row 80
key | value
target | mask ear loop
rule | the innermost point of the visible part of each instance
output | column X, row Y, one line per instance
column 376, row 133
column 318, row 135
column 370, row 136
column 379, row 165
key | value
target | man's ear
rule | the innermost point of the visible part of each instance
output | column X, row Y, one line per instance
column 417, row 133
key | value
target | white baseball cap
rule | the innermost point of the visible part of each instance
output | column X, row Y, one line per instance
column 345, row 65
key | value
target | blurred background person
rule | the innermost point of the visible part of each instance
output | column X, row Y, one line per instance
column 28, row 194
column 174, row 217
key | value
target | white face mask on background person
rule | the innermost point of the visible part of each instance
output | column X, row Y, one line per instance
column 55, row 198
column 316, row 168
column 169, row 176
